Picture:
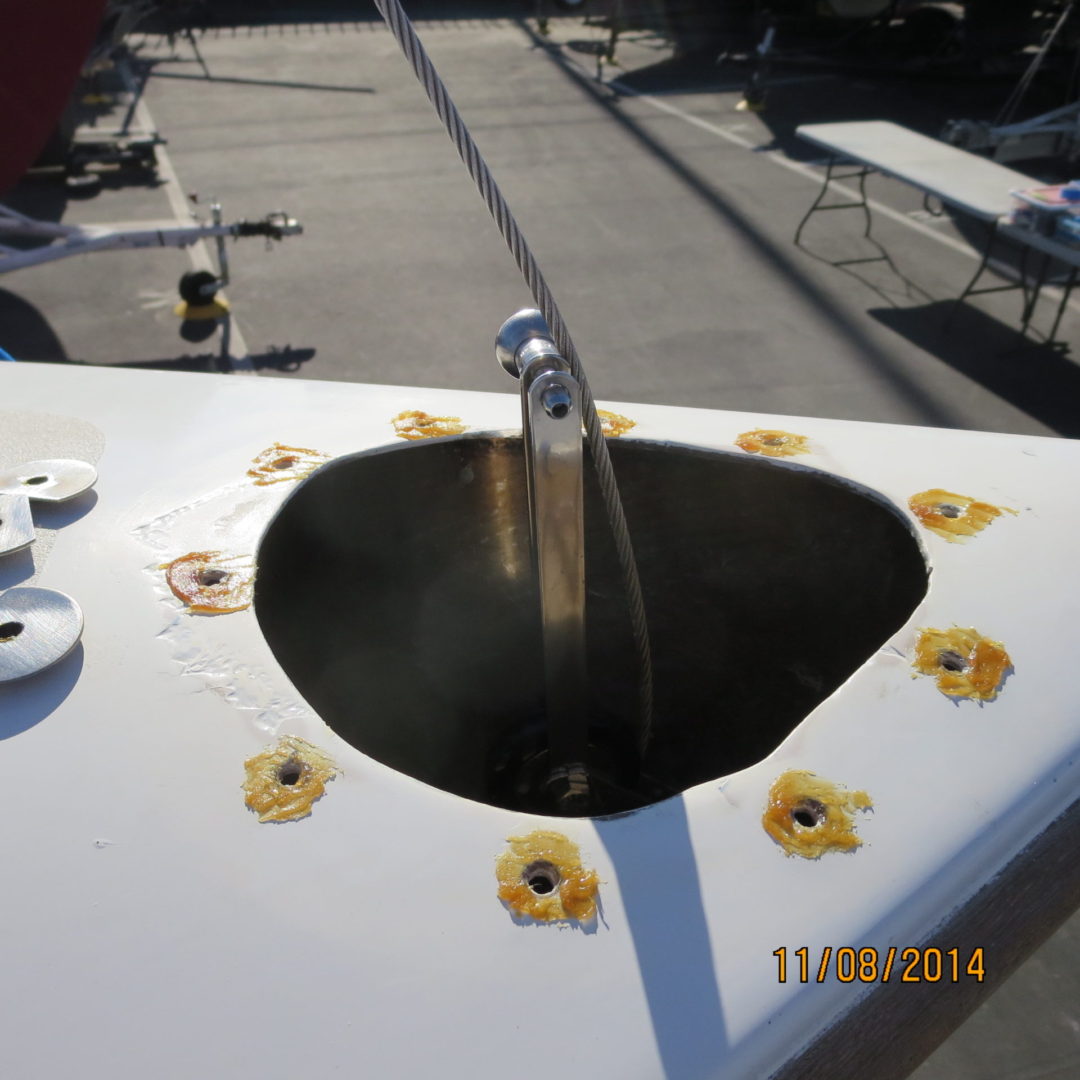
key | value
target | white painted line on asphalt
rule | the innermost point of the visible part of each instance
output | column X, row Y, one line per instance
column 233, row 347
column 778, row 157
column 719, row 88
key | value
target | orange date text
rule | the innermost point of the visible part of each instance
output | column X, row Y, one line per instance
column 871, row 965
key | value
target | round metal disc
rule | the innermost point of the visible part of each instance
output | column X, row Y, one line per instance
column 53, row 480
column 16, row 523
column 38, row 627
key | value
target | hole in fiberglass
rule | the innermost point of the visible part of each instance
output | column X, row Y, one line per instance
column 290, row 773
column 809, row 813
column 952, row 661
column 541, row 876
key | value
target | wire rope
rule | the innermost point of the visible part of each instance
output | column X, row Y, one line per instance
column 402, row 29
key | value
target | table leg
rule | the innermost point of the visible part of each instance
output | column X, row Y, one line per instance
column 1070, row 281
column 830, row 176
column 1030, row 301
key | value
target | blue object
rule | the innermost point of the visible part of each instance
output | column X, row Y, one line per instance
column 1070, row 192
column 6, row 356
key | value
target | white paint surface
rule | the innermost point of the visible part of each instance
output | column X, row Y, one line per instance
column 151, row 927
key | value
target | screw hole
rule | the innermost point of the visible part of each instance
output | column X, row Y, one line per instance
column 948, row 510
column 284, row 463
column 211, row 577
column 809, row 813
column 559, row 411
column 952, row 661
column 541, row 876
column 36, row 480
column 290, row 773
column 10, row 630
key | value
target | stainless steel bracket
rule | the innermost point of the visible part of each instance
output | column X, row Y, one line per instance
column 551, row 424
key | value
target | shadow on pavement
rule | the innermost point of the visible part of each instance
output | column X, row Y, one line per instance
column 208, row 14
column 929, row 409
column 25, row 333
column 285, row 360
column 1034, row 377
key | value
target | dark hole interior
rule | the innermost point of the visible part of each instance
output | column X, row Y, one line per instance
column 10, row 630
column 952, row 661
column 211, row 577
column 284, row 463
column 949, row 510
column 414, row 629
column 809, row 813
column 35, row 480
column 542, row 877
column 290, row 773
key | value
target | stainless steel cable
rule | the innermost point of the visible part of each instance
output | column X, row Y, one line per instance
column 414, row 51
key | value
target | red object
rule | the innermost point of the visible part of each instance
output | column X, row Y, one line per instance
column 44, row 45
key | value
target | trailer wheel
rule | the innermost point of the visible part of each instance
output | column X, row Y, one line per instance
column 194, row 287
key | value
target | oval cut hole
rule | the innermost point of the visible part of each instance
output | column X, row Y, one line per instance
column 403, row 605
column 9, row 631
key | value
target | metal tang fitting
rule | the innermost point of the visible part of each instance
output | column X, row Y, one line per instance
column 552, row 425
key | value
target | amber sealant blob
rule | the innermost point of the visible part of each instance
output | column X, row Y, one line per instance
column 284, row 780
column 415, row 424
column 772, row 443
column 809, row 816
column 211, row 582
column 965, row 663
column 540, row 875
column 279, row 463
column 955, row 517
column 613, row 425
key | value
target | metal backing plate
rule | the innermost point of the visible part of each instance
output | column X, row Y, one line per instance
column 38, row 627
column 52, row 480
column 16, row 523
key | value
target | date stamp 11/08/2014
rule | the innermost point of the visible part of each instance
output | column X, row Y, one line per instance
column 871, row 965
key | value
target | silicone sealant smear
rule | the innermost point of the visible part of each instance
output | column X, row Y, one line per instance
column 225, row 652
column 160, row 532
column 246, row 685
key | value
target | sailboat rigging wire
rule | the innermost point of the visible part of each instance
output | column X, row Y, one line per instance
column 1008, row 110
column 402, row 29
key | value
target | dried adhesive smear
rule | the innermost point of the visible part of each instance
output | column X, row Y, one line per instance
column 772, row 443
column 221, row 656
column 965, row 663
column 955, row 517
column 284, row 780
column 613, row 425
column 279, row 463
column 212, row 582
column 809, row 816
column 540, row 875
column 415, row 424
